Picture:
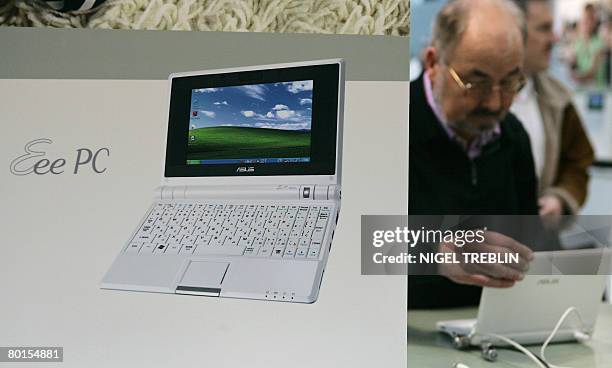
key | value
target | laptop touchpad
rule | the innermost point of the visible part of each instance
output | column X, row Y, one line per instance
column 203, row 278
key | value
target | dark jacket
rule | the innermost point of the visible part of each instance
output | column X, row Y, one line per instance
column 444, row 181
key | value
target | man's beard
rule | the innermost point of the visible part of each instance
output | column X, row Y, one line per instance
column 476, row 129
column 470, row 128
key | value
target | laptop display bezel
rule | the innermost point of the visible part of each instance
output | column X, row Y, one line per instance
column 328, row 87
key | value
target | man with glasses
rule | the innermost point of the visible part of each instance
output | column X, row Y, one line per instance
column 562, row 151
column 468, row 156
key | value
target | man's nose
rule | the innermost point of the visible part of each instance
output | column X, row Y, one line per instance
column 493, row 101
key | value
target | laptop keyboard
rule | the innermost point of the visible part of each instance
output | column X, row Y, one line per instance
column 274, row 231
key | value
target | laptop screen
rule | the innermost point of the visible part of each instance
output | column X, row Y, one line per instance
column 275, row 121
column 266, row 123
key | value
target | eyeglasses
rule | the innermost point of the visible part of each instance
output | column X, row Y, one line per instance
column 483, row 89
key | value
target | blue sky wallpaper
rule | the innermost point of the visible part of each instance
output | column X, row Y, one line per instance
column 285, row 105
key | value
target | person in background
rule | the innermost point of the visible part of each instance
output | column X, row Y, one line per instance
column 588, row 65
column 467, row 154
column 566, row 43
column 561, row 149
column 607, row 37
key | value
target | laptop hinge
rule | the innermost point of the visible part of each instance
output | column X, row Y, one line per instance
column 170, row 192
column 277, row 192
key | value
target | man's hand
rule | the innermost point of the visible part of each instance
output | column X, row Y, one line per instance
column 550, row 205
column 487, row 274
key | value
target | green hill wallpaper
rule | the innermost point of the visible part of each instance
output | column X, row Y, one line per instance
column 245, row 142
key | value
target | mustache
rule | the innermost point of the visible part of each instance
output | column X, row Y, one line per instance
column 486, row 113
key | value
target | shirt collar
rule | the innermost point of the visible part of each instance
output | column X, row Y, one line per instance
column 527, row 93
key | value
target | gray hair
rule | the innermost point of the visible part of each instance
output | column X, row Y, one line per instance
column 452, row 21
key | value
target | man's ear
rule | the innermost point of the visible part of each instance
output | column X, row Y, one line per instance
column 431, row 61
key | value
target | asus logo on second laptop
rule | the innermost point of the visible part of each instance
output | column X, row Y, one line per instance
column 552, row 281
column 245, row 169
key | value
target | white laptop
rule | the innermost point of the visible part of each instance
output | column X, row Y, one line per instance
column 250, row 194
column 528, row 311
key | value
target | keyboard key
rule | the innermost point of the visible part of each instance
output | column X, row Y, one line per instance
column 173, row 249
column 173, row 238
column 264, row 252
column 203, row 239
column 271, row 233
column 160, row 249
column 317, row 234
column 187, row 249
column 214, row 230
column 301, row 252
column 256, row 233
column 231, row 241
column 188, row 239
column 313, row 253
column 295, row 233
column 289, row 252
column 270, row 242
column 251, row 251
column 281, row 242
column 277, row 252
column 216, row 241
column 147, row 248
column 245, row 241
column 144, row 238
column 222, row 251
column 134, row 247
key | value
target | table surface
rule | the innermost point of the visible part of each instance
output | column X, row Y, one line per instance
column 429, row 348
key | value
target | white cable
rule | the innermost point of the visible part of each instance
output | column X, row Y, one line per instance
column 544, row 363
column 554, row 332
column 520, row 348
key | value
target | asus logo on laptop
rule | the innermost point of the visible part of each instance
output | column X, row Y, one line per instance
column 245, row 169
column 548, row 281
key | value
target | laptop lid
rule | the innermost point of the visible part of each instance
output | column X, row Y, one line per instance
column 531, row 308
column 273, row 124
